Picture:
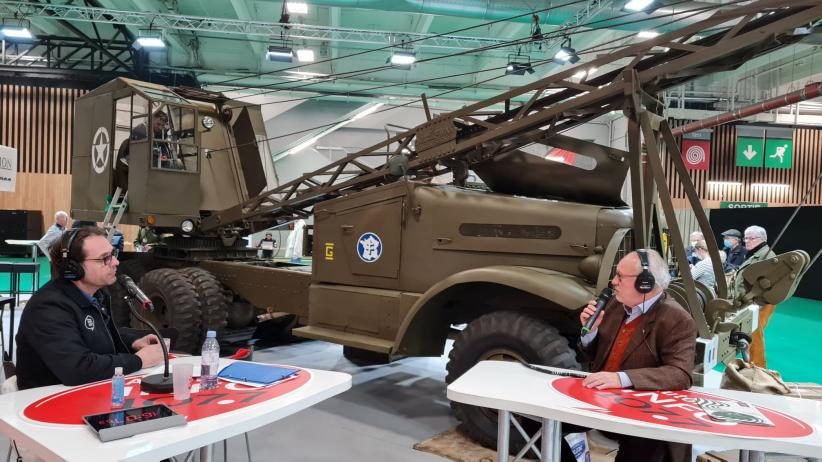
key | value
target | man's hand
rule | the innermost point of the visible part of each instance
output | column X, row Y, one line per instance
column 144, row 341
column 602, row 380
column 150, row 355
column 588, row 312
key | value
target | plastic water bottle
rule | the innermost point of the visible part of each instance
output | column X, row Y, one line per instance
column 210, row 362
column 118, row 389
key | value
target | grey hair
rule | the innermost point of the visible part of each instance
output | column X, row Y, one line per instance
column 658, row 267
column 698, row 233
column 757, row 232
column 59, row 214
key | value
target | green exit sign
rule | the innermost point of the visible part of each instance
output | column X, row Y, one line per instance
column 742, row 205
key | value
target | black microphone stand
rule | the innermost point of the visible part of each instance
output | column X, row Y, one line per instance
column 157, row 383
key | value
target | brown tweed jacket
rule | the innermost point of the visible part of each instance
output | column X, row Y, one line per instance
column 660, row 355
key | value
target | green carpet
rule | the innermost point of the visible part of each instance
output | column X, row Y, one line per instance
column 790, row 337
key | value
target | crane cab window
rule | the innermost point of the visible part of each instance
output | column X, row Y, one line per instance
column 173, row 144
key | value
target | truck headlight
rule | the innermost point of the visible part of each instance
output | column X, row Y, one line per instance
column 208, row 122
column 187, row 226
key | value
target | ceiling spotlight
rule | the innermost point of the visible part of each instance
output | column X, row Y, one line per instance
column 305, row 55
column 17, row 32
column 149, row 39
column 515, row 68
column 279, row 54
column 402, row 59
column 519, row 64
column 647, row 34
column 566, row 53
column 296, row 7
column 647, row 6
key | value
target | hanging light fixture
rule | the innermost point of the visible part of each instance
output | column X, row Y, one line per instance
column 15, row 28
column 566, row 53
column 519, row 64
column 149, row 39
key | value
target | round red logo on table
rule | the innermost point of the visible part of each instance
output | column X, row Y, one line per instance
column 686, row 409
column 69, row 406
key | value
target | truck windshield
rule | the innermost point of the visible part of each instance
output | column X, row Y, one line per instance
column 173, row 138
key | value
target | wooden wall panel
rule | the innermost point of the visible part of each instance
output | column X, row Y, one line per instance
column 37, row 122
column 807, row 164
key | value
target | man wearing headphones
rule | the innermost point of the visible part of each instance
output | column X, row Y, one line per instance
column 66, row 335
column 644, row 340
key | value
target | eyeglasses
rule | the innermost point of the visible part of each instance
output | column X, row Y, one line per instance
column 620, row 277
column 106, row 259
column 746, row 238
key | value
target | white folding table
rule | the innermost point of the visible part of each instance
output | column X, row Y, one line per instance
column 669, row 416
column 62, row 442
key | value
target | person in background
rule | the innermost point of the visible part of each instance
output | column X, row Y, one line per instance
column 732, row 241
column 695, row 237
column 640, row 313
column 66, row 335
column 267, row 244
column 756, row 243
column 54, row 232
column 703, row 271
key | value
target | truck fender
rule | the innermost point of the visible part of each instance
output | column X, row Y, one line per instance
column 424, row 329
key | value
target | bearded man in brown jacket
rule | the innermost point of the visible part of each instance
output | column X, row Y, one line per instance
column 642, row 340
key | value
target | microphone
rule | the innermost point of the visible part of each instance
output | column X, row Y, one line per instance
column 601, row 301
column 135, row 292
column 156, row 383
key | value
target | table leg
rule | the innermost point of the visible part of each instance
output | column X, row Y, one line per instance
column 551, row 443
column 744, row 455
column 206, row 453
column 12, row 306
column 34, row 253
column 756, row 456
column 503, row 429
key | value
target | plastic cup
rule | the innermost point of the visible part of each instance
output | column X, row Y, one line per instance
column 181, row 376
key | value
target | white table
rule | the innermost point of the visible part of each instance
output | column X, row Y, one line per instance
column 512, row 388
column 28, row 243
column 55, row 442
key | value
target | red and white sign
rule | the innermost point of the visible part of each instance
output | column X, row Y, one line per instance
column 680, row 409
column 696, row 154
column 68, row 407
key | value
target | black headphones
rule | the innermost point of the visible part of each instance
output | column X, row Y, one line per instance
column 644, row 281
column 70, row 268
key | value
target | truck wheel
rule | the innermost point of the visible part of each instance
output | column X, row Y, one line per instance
column 134, row 268
column 504, row 336
column 213, row 303
column 175, row 305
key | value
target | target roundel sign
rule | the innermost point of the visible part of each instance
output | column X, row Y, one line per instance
column 696, row 154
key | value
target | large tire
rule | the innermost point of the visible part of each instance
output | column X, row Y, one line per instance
column 134, row 268
column 176, row 305
column 213, row 303
column 503, row 335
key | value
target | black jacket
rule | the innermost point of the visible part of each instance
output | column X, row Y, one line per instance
column 735, row 258
column 64, row 338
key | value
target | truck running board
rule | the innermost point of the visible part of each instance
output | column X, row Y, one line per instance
column 363, row 342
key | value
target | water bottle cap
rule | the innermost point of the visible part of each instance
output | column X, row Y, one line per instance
column 118, row 371
column 211, row 334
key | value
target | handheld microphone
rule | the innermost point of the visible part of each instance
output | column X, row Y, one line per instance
column 135, row 292
column 601, row 301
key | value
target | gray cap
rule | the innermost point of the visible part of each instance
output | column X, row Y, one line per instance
column 733, row 233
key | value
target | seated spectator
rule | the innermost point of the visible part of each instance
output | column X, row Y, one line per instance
column 695, row 237
column 54, row 232
column 732, row 240
column 703, row 271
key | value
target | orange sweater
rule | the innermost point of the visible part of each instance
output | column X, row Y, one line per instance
column 620, row 345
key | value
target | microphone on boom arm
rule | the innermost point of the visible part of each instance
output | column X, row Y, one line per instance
column 157, row 383
column 601, row 301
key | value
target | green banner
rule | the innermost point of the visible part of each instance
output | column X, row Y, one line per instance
column 742, row 205
column 749, row 152
column 778, row 153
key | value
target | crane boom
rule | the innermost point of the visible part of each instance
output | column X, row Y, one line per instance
column 457, row 140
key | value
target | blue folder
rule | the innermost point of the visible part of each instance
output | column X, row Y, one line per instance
column 264, row 374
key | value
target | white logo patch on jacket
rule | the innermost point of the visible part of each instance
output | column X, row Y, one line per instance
column 89, row 322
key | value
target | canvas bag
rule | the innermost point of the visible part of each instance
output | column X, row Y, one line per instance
column 743, row 376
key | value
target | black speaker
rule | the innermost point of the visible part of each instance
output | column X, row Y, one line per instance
column 19, row 224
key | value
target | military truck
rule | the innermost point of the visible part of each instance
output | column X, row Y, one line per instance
column 401, row 264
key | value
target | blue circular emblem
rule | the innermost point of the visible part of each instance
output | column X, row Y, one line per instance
column 369, row 247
